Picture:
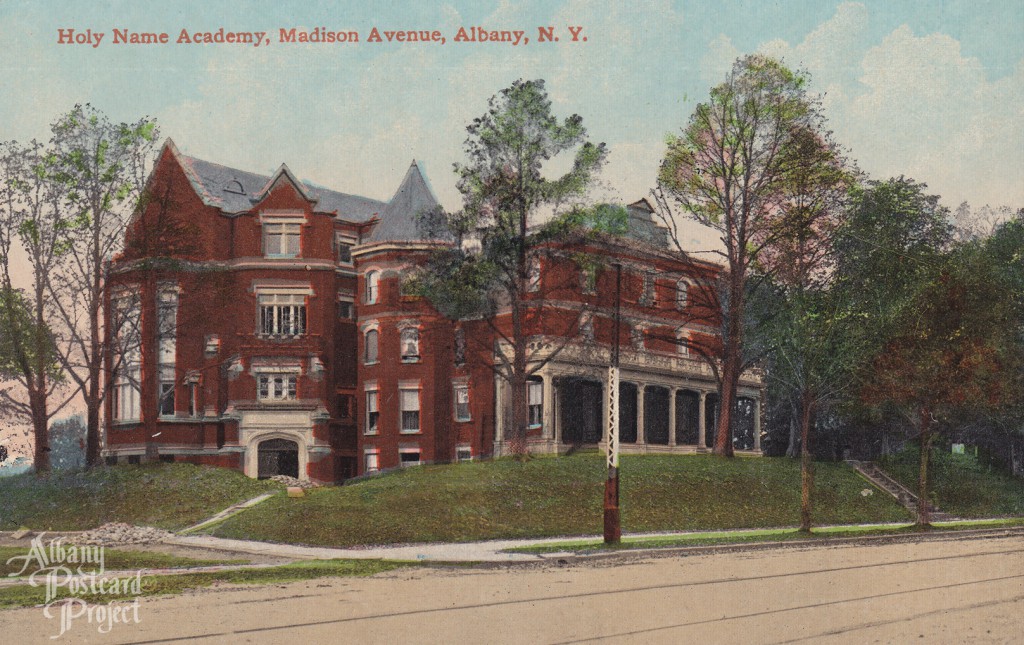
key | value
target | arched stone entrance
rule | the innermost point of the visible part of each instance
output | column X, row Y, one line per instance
column 278, row 457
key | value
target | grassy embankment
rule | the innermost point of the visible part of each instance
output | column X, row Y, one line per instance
column 561, row 496
column 168, row 496
column 960, row 485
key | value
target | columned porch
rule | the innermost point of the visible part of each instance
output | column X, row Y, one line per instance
column 667, row 410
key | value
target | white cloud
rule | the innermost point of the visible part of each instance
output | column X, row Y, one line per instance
column 931, row 113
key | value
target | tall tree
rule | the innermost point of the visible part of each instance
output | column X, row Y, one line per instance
column 727, row 170
column 505, row 194
column 893, row 264
column 32, row 217
column 814, row 335
column 102, row 168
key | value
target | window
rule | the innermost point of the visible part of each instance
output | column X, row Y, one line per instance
column 371, row 461
column 126, row 395
column 370, row 354
column 533, row 275
column 343, row 246
column 681, row 292
column 410, row 340
column 460, row 347
column 587, row 327
column 372, row 412
column 372, row 287
column 346, row 310
column 128, row 365
column 409, row 456
column 647, row 296
column 464, row 453
column 588, row 279
column 193, row 399
column 281, row 239
column 462, row 403
column 167, row 319
column 636, row 337
column 282, row 314
column 409, row 401
column 535, row 398
column 683, row 343
column 346, row 403
column 166, row 402
column 277, row 387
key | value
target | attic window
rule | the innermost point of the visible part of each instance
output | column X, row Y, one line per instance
column 234, row 186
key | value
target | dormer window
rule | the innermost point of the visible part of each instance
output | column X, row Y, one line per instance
column 234, row 186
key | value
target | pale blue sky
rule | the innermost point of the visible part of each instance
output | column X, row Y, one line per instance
column 933, row 90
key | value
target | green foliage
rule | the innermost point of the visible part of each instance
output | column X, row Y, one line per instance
column 960, row 485
column 557, row 496
column 24, row 344
column 504, row 189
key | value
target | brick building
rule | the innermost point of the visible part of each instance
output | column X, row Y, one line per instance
column 259, row 323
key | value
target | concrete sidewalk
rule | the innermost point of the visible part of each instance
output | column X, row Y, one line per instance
column 489, row 551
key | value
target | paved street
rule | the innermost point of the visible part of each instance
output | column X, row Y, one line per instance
column 937, row 591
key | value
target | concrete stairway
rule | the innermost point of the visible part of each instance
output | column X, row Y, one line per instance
column 903, row 495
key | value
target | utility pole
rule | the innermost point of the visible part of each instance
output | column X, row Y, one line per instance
column 612, row 523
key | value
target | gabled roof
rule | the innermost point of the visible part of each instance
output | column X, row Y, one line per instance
column 237, row 191
column 399, row 221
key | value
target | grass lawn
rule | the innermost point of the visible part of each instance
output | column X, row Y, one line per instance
column 113, row 560
column 960, row 485
column 549, row 496
column 715, row 538
column 27, row 596
column 169, row 496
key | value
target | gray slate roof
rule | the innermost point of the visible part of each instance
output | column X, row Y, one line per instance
column 234, row 191
column 399, row 222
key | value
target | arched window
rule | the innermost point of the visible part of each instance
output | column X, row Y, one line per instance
column 410, row 341
column 371, row 346
column 372, row 287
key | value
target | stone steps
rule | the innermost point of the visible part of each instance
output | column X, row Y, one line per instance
column 903, row 495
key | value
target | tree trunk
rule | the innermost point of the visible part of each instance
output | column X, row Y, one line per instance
column 806, row 463
column 40, row 432
column 793, row 449
column 726, row 404
column 923, row 511
column 92, row 433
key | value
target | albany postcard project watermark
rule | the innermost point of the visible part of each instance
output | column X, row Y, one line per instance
column 75, row 582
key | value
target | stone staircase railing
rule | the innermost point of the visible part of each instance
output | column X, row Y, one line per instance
column 903, row 495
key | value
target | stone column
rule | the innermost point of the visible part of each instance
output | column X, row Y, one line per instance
column 640, row 438
column 548, row 401
column 672, row 416
column 702, row 419
column 757, row 424
column 499, row 411
column 556, row 417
